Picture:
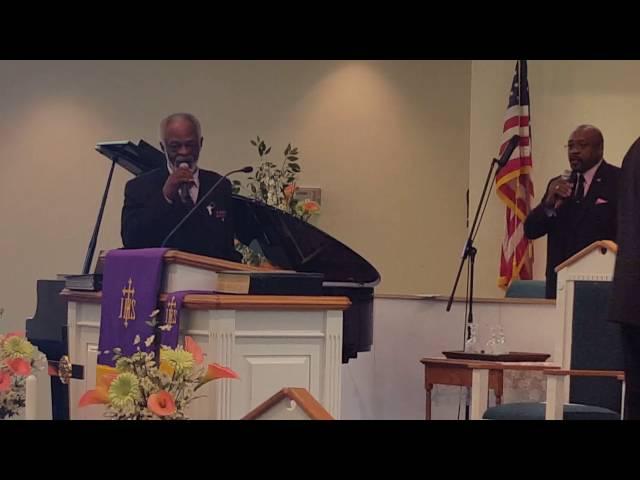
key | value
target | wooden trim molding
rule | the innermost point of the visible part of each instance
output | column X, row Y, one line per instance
column 587, row 373
column 208, row 263
column 487, row 365
column 81, row 297
column 303, row 399
column 262, row 302
column 604, row 245
column 526, row 366
column 441, row 298
column 235, row 302
column 192, row 260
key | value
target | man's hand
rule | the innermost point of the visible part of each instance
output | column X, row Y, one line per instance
column 180, row 176
column 559, row 190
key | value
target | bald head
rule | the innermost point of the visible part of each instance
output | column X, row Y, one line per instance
column 585, row 148
column 593, row 132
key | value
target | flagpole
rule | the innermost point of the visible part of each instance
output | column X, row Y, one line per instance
column 514, row 217
column 530, row 194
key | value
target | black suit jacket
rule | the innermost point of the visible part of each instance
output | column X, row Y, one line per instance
column 147, row 218
column 576, row 225
column 625, row 297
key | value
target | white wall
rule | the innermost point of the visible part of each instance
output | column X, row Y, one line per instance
column 387, row 141
column 388, row 382
column 564, row 94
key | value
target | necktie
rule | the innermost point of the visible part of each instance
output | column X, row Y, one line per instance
column 185, row 197
column 580, row 188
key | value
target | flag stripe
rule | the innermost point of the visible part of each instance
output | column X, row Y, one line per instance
column 514, row 185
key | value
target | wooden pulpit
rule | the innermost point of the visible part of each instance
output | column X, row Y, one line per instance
column 271, row 341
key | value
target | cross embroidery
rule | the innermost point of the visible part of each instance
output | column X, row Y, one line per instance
column 128, row 304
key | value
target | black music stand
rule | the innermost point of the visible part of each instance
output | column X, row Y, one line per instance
column 133, row 158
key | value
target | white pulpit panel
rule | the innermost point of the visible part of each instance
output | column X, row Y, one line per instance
column 270, row 366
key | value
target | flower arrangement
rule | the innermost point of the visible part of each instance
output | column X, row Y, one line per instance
column 275, row 186
column 140, row 389
column 18, row 359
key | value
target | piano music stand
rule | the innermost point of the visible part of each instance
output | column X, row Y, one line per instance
column 133, row 158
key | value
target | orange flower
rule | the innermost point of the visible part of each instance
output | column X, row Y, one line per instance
column 216, row 371
column 162, row 403
column 94, row 397
column 19, row 366
column 5, row 381
column 310, row 206
column 191, row 346
column 14, row 334
column 101, row 392
column 289, row 190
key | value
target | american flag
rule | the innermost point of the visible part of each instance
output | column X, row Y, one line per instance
column 514, row 185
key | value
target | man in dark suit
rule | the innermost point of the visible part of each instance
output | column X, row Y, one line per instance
column 625, row 298
column 578, row 210
column 155, row 202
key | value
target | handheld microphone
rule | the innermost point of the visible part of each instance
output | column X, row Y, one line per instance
column 573, row 179
column 506, row 155
column 202, row 200
column 183, row 190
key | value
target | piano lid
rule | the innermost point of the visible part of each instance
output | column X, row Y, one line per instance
column 294, row 244
column 136, row 159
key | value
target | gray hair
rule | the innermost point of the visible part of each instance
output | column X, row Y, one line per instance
column 176, row 116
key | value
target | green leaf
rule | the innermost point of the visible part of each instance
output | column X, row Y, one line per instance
column 261, row 148
column 237, row 182
column 268, row 150
column 259, row 140
column 291, row 158
column 294, row 167
column 287, row 150
column 254, row 143
column 294, row 151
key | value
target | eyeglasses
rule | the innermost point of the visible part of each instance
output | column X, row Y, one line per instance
column 577, row 146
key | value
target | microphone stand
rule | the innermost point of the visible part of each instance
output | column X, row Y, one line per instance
column 469, row 253
column 469, row 250
column 200, row 202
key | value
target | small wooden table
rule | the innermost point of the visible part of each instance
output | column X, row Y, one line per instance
column 459, row 372
column 444, row 371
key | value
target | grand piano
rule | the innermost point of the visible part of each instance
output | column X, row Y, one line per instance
column 286, row 241
column 290, row 243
